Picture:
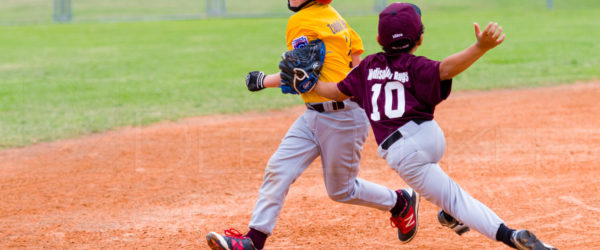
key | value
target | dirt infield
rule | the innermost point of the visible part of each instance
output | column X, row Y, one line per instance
column 531, row 155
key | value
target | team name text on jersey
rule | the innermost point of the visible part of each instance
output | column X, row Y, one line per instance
column 383, row 74
column 337, row 26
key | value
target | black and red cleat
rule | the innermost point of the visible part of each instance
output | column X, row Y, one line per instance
column 408, row 220
column 231, row 240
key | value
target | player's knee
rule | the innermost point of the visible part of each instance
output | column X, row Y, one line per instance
column 272, row 172
column 275, row 166
column 342, row 195
column 277, row 174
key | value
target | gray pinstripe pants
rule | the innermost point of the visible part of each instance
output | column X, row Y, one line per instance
column 415, row 157
column 337, row 137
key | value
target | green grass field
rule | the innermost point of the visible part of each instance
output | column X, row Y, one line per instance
column 59, row 81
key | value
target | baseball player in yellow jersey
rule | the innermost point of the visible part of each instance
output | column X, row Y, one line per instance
column 333, row 130
column 343, row 45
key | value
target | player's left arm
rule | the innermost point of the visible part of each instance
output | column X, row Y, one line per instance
column 487, row 39
column 330, row 90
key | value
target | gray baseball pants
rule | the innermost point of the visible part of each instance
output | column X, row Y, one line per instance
column 337, row 137
column 415, row 157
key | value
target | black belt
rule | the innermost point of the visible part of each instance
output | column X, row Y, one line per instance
column 320, row 107
column 394, row 137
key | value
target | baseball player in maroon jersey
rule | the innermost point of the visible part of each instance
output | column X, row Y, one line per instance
column 399, row 92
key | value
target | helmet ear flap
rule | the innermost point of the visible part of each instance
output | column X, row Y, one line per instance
column 324, row 1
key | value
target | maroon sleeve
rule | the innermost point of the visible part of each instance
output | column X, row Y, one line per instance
column 352, row 84
column 428, row 87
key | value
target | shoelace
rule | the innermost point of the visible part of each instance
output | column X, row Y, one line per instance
column 232, row 232
column 395, row 221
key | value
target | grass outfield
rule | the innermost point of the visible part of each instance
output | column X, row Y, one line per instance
column 58, row 81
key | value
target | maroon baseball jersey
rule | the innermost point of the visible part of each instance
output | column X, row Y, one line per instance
column 394, row 90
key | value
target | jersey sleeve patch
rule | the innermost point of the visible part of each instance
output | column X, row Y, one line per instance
column 300, row 42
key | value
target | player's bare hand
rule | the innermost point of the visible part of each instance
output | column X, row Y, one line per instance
column 490, row 37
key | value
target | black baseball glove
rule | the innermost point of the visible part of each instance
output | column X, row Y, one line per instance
column 301, row 67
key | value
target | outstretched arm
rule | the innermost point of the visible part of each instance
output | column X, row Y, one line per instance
column 272, row 81
column 330, row 90
column 257, row 80
column 296, row 58
column 487, row 39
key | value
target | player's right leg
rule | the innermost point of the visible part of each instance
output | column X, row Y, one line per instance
column 412, row 158
column 296, row 151
column 341, row 135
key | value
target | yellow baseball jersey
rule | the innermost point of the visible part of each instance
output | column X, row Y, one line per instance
column 321, row 21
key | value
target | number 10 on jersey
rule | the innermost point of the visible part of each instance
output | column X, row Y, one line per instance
column 388, row 109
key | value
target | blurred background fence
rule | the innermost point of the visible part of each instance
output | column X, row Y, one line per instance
column 14, row 12
column 17, row 12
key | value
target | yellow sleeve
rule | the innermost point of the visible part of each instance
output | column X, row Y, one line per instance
column 298, row 30
column 356, row 43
